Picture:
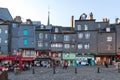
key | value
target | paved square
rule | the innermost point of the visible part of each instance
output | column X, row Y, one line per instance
column 83, row 73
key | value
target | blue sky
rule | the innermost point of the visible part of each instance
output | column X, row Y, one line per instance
column 62, row 10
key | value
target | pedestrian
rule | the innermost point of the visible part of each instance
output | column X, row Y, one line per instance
column 106, row 64
column 65, row 64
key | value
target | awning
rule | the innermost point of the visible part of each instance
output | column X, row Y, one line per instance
column 10, row 58
column 118, row 54
column 27, row 58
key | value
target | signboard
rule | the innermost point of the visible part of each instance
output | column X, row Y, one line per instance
column 68, row 55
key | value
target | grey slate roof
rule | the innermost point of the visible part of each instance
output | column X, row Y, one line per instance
column 5, row 14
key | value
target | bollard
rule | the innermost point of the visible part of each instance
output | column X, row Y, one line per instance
column 33, row 71
column 75, row 70
column 54, row 70
column 98, row 70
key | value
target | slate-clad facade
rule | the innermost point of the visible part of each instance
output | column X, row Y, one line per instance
column 86, row 42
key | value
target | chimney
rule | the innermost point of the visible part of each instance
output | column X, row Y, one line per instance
column 106, row 20
column 72, row 21
column 28, row 21
column 116, row 20
column 17, row 19
column 91, row 16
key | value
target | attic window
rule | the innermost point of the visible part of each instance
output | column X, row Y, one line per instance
column 108, row 29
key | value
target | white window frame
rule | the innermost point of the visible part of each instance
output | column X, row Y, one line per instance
column 80, row 35
column 79, row 27
column 6, row 31
column 66, row 46
column 56, row 29
column 109, row 38
column 87, row 35
column 66, row 37
column 40, row 35
column 0, row 31
column 80, row 46
column 40, row 44
column 86, row 27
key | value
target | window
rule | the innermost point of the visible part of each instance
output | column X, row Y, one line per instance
column 40, row 44
column 109, row 47
column 0, row 30
column 87, row 46
column 67, row 46
column 46, row 44
column 25, row 32
column 54, row 37
column 73, row 46
column 86, row 27
column 80, row 46
column 32, row 53
column 42, row 26
column 6, row 41
column 27, row 53
column 108, row 29
column 6, row 31
column 25, row 42
column 56, row 29
column 56, row 45
column 0, row 40
column 40, row 35
column 80, row 35
column 79, row 27
column 66, row 38
column 109, row 38
column 87, row 35
column 14, row 25
column 46, row 36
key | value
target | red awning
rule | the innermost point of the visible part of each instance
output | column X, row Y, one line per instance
column 10, row 58
column 27, row 58
column 2, row 57
column 118, row 54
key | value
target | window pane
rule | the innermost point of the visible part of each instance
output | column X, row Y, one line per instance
column 25, row 32
column 40, row 35
column 40, row 44
column 109, row 38
column 86, row 27
column 80, row 35
column 25, row 42
column 78, row 27
column 67, row 46
column 80, row 46
column 27, row 53
column 6, row 31
column 55, row 37
column 56, row 29
column 87, row 35
column 0, row 40
column 66, row 38
column 32, row 53
column 0, row 30
column 46, row 36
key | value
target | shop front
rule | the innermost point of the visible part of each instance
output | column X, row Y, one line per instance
column 70, row 58
column 85, row 60
column 100, row 59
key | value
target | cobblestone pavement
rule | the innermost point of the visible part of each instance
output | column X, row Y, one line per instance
column 83, row 73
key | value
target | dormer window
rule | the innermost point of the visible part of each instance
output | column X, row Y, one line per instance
column 86, row 27
column 79, row 27
column 107, row 29
column 56, row 29
column 42, row 26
